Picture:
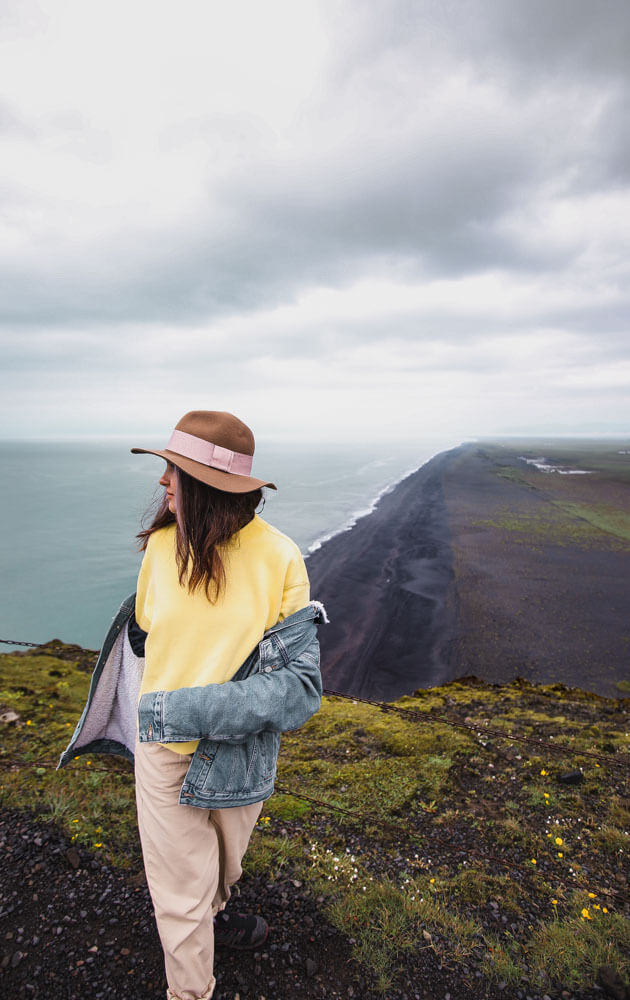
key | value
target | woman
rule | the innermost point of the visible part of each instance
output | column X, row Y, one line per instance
column 230, row 660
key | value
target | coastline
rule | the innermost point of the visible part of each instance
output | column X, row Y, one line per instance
column 355, row 516
column 480, row 563
column 386, row 586
column 66, row 583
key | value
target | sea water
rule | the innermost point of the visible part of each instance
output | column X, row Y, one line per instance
column 71, row 511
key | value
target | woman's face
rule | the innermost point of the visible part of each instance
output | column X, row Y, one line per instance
column 169, row 480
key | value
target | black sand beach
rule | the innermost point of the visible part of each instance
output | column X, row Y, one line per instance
column 387, row 586
column 479, row 563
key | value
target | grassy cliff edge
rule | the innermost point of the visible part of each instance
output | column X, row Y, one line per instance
column 438, row 850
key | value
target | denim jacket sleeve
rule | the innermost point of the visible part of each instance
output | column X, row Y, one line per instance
column 277, row 689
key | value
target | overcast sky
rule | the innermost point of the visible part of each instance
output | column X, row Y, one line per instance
column 335, row 218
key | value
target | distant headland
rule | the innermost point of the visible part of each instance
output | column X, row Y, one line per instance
column 500, row 559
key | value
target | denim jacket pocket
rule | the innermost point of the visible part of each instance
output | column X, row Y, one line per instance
column 234, row 768
column 251, row 766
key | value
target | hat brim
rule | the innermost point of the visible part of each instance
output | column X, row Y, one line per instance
column 229, row 482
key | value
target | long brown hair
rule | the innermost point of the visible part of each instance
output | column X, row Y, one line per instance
column 206, row 519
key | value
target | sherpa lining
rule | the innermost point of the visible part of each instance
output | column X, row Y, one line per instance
column 113, row 711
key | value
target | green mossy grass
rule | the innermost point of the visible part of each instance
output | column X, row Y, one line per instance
column 564, row 524
column 93, row 800
column 441, row 828
column 574, row 514
column 604, row 518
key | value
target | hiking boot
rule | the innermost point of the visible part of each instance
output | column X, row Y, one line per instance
column 239, row 930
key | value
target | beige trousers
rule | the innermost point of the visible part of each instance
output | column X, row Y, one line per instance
column 191, row 857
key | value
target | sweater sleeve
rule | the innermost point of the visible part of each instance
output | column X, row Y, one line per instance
column 296, row 593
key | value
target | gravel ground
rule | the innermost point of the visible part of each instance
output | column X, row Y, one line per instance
column 71, row 927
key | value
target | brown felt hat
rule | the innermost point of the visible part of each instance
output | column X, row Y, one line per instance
column 216, row 448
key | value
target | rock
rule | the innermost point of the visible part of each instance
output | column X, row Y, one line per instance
column 571, row 778
column 73, row 857
column 9, row 717
column 311, row 967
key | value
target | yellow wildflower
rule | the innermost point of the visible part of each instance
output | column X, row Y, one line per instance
column 559, row 841
column 586, row 915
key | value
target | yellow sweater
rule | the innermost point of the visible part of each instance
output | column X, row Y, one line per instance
column 192, row 642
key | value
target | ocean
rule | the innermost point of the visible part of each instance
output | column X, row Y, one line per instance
column 71, row 511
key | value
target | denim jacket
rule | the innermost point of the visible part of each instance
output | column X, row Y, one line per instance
column 238, row 723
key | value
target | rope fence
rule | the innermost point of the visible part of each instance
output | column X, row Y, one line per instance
column 411, row 714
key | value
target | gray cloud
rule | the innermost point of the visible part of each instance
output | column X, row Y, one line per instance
column 475, row 153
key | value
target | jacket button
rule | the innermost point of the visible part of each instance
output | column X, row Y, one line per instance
column 267, row 670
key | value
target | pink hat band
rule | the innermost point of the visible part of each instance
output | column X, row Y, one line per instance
column 212, row 455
